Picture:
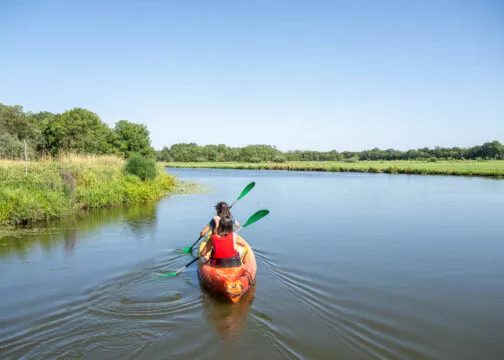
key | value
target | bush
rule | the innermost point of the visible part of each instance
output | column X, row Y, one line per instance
column 432, row 159
column 279, row 159
column 142, row 167
column 254, row 159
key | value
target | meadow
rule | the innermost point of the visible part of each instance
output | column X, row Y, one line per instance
column 488, row 168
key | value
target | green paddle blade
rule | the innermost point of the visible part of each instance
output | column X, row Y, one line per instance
column 187, row 249
column 246, row 190
column 166, row 274
column 257, row 216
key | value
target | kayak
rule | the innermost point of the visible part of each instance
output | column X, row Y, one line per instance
column 232, row 282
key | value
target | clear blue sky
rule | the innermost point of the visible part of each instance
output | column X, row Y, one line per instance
column 321, row 75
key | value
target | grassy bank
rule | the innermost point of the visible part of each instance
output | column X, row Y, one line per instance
column 55, row 188
column 491, row 168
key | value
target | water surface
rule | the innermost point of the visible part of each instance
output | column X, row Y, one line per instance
column 350, row 266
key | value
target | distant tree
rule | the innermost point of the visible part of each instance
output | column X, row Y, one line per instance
column 279, row 159
column 491, row 150
column 132, row 138
column 15, row 130
column 164, row 155
column 15, row 122
column 10, row 147
column 41, row 121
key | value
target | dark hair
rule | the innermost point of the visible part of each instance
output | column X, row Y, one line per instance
column 225, row 225
column 222, row 208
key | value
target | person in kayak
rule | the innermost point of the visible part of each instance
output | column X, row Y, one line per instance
column 222, row 245
column 222, row 208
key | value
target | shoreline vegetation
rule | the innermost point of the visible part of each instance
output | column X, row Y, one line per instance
column 56, row 187
column 57, row 183
column 483, row 168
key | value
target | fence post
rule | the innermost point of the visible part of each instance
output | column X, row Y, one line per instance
column 26, row 159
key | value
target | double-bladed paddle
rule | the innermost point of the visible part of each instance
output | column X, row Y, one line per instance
column 245, row 191
column 256, row 217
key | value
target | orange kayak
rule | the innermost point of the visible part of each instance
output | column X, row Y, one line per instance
column 233, row 282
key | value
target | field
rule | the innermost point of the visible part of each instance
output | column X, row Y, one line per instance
column 490, row 168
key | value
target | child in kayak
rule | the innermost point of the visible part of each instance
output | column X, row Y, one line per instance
column 222, row 245
column 222, row 209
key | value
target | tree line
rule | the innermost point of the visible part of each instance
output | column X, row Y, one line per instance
column 81, row 131
column 77, row 130
column 263, row 153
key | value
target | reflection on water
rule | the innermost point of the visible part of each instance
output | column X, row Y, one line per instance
column 140, row 218
column 228, row 320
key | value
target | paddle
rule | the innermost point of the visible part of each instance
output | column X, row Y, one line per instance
column 242, row 194
column 256, row 217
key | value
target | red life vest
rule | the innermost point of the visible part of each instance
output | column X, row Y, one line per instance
column 223, row 247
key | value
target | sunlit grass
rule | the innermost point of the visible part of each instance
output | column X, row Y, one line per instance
column 494, row 168
column 57, row 187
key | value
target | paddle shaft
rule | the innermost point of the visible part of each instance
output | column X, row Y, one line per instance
column 190, row 263
column 196, row 242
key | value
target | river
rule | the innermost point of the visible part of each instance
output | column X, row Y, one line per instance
column 350, row 266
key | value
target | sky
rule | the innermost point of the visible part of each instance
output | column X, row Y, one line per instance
column 305, row 75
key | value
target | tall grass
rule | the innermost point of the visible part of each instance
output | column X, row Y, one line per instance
column 490, row 168
column 57, row 187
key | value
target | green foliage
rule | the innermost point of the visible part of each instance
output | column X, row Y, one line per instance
column 57, row 188
column 80, row 131
column 265, row 153
column 144, row 168
column 74, row 131
column 279, row 159
column 16, row 129
column 194, row 153
column 164, row 155
column 11, row 147
column 132, row 138
column 15, row 122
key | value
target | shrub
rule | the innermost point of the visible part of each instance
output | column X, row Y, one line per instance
column 254, row 159
column 279, row 159
column 144, row 168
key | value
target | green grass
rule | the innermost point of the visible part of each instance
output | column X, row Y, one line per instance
column 490, row 168
column 56, row 188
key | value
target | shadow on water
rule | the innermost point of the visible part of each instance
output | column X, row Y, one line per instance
column 67, row 232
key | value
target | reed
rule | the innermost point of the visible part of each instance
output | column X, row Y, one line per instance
column 57, row 187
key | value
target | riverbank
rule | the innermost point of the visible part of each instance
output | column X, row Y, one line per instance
column 490, row 168
column 56, row 188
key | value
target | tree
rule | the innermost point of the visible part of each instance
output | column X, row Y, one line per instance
column 14, row 121
column 132, row 138
column 164, row 155
column 492, row 150
column 79, row 130
column 15, row 129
